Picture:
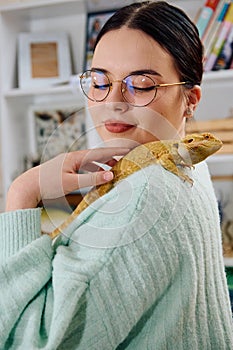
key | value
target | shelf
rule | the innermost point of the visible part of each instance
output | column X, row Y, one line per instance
column 228, row 262
column 221, row 167
column 61, row 7
column 224, row 75
column 62, row 89
column 28, row 4
column 220, row 158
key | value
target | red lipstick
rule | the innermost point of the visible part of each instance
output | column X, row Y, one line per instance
column 118, row 127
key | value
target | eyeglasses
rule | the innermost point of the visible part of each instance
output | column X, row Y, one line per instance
column 138, row 90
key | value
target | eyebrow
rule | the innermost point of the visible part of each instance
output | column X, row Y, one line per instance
column 140, row 71
column 145, row 71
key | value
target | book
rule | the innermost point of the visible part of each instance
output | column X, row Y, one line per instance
column 213, row 28
column 224, row 59
column 231, row 64
column 205, row 16
column 222, row 36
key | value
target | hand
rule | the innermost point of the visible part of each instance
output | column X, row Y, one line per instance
column 58, row 176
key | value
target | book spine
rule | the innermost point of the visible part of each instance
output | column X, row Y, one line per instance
column 223, row 33
column 213, row 20
column 205, row 16
column 225, row 57
column 231, row 63
column 214, row 30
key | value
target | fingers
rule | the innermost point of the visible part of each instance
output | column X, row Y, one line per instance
column 59, row 176
column 97, row 166
column 79, row 181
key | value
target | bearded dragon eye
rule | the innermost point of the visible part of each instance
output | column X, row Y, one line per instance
column 190, row 140
column 207, row 137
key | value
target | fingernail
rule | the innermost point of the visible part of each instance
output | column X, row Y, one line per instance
column 108, row 175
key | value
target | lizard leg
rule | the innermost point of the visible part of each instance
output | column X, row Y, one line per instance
column 168, row 163
column 190, row 166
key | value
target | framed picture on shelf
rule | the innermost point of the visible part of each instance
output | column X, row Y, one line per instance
column 43, row 59
column 95, row 22
column 223, row 186
column 55, row 129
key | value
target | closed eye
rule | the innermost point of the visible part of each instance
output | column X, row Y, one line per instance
column 101, row 87
column 138, row 89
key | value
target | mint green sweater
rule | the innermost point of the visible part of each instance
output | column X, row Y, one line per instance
column 140, row 269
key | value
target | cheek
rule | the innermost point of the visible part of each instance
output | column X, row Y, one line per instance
column 95, row 112
column 162, row 122
column 170, row 106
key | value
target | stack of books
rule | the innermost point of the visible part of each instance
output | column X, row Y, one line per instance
column 215, row 25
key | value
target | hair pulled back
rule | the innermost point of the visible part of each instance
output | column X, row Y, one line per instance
column 170, row 27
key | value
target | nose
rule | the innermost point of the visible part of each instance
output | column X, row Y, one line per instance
column 115, row 100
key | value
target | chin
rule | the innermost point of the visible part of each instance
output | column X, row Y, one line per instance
column 120, row 142
column 116, row 139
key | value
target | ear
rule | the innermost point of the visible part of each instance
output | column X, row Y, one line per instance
column 194, row 96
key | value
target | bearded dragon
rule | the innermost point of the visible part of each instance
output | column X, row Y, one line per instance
column 173, row 155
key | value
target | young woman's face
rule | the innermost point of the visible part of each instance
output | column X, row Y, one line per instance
column 121, row 53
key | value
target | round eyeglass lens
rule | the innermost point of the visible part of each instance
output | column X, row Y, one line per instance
column 138, row 90
column 95, row 85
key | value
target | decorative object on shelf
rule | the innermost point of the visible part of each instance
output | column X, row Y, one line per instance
column 55, row 129
column 95, row 22
column 43, row 59
column 224, row 194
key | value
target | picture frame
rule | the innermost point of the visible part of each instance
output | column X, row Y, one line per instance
column 43, row 59
column 223, row 186
column 95, row 21
column 55, row 129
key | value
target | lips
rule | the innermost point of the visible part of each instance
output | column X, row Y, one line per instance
column 118, row 127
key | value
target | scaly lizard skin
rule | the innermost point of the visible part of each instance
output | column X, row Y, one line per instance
column 173, row 155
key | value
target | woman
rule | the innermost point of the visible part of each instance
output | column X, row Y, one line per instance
column 142, row 267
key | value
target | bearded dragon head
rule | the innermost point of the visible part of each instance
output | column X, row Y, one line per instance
column 199, row 146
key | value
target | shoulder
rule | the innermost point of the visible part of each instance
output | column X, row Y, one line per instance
column 151, row 198
column 158, row 186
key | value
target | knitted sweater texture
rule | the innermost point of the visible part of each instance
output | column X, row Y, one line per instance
column 140, row 269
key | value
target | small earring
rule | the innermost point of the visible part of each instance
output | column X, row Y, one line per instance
column 189, row 111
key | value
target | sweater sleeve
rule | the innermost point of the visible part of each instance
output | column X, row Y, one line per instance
column 17, row 229
column 25, row 265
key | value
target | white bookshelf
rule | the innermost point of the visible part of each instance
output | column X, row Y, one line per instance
column 32, row 16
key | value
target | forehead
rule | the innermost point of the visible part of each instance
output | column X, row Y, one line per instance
column 125, row 50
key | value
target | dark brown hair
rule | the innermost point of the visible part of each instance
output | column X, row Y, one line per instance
column 170, row 27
